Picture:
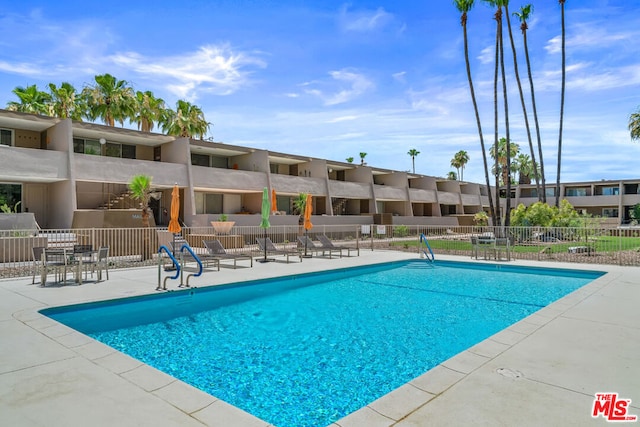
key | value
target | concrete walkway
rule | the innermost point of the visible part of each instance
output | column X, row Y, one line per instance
column 544, row 370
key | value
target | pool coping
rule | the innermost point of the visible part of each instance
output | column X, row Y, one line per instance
column 434, row 396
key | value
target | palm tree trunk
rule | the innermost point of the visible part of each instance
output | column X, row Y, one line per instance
column 524, row 106
column 507, row 209
column 492, row 210
column 495, row 125
column 561, row 110
column 542, row 194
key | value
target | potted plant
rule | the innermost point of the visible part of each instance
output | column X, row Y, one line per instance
column 222, row 225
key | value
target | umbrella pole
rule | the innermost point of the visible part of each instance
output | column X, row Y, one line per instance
column 306, row 235
column 265, row 245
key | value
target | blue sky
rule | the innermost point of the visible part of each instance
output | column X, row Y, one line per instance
column 332, row 79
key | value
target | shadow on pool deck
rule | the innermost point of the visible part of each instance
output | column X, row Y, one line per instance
column 543, row 370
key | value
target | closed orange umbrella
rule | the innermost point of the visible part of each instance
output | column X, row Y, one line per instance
column 307, row 213
column 274, row 202
column 174, row 225
column 307, row 221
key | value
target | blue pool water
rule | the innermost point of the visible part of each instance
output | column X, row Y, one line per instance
column 307, row 350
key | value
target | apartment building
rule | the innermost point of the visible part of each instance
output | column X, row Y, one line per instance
column 59, row 168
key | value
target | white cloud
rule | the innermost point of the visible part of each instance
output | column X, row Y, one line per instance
column 589, row 36
column 487, row 55
column 356, row 85
column 364, row 21
column 342, row 119
column 212, row 69
column 401, row 76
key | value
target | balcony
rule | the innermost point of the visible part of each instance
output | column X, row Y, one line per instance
column 108, row 169
column 18, row 164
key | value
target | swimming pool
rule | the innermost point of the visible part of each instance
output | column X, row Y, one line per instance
column 307, row 350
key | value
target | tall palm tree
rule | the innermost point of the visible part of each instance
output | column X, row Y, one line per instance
column 524, row 167
column 362, row 156
column 455, row 163
column 464, row 6
column 109, row 100
column 502, row 157
column 634, row 125
column 186, row 121
column 525, row 13
column 65, row 102
column 413, row 153
column 522, row 102
column 31, row 100
column 148, row 110
column 496, row 167
column 462, row 158
column 561, row 107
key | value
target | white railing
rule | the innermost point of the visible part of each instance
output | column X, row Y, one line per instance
column 139, row 246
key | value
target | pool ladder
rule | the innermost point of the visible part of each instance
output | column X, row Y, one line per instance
column 423, row 239
column 179, row 266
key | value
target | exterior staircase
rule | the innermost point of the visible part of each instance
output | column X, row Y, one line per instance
column 339, row 206
column 120, row 201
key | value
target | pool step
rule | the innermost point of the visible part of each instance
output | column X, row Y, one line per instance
column 422, row 265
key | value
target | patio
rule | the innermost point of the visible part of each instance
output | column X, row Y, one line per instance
column 543, row 370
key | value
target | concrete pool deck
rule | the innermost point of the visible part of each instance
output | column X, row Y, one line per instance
column 543, row 370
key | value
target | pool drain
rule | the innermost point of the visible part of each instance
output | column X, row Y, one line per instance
column 509, row 373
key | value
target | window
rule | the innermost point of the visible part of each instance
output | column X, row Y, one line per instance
column 10, row 194
column 128, row 151
column 218, row 162
column 87, row 146
column 610, row 191
column 208, row 203
column 124, row 151
column 576, row 192
column 6, row 137
column 200, row 160
column 610, row 212
column 113, row 150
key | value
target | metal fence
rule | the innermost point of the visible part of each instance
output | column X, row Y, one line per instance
column 139, row 246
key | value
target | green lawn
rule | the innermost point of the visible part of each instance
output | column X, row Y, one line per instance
column 601, row 243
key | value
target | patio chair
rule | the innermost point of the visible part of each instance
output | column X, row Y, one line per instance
column 503, row 244
column 328, row 244
column 217, row 251
column 38, row 260
column 100, row 263
column 85, row 254
column 55, row 261
column 311, row 246
column 271, row 249
column 474, row 247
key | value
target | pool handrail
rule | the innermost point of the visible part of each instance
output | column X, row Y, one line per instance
column 423, row 238
column 195, row 257
column 175, row 263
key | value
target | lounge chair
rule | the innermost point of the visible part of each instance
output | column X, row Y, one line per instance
column 312, row 247
column 216, row 250
column 328, row 244
column 186, row 255
column 271, row 249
